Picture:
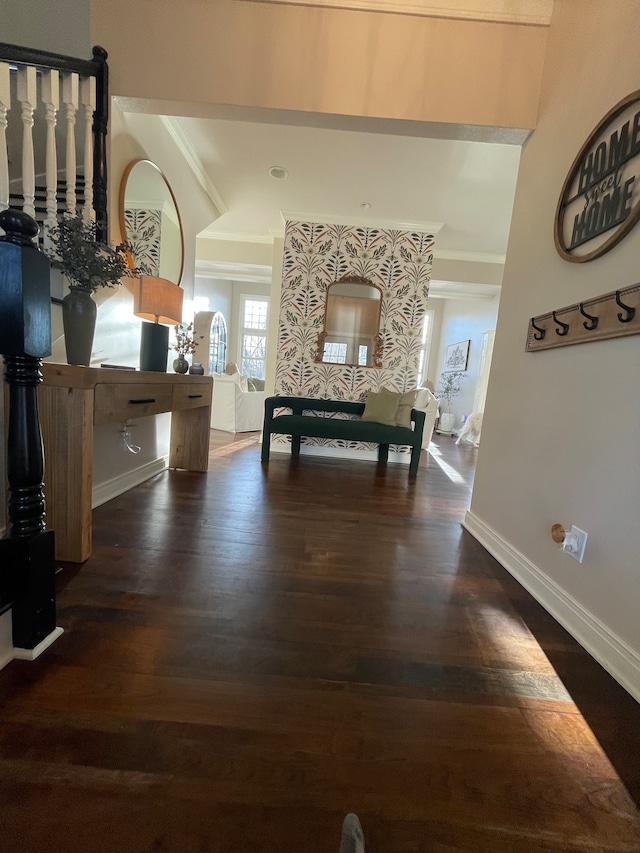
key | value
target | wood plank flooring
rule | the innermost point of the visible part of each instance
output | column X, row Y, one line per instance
column 250, row 654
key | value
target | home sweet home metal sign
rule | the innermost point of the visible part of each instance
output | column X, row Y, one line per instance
column 600, row 200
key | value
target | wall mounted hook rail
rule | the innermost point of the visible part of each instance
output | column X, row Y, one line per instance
column 594, row 319
column 631, row 312
column 539, row 333
column 564, row 327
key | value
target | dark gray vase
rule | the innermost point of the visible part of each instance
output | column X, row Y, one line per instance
column 79, row 323
column 180, row 364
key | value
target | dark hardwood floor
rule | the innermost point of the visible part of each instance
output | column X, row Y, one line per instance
column 250, row 654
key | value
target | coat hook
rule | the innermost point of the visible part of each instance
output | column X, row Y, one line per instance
column 593, row 321
column 543, row 332
column 565, row 326
column 631, row 312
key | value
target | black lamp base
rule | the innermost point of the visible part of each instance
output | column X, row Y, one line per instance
column 154, row 347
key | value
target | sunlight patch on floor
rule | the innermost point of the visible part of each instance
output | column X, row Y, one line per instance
column 451, row 473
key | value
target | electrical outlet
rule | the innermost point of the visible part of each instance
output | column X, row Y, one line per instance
column 574, row 543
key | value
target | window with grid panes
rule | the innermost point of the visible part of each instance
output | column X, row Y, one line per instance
column 218, row 344
column 253, row 336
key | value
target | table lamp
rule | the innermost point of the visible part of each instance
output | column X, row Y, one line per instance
column 160, row 301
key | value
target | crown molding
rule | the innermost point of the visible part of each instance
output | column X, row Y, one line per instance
column 469, row 257
column 536, row 13
column 357, row 222
column 236, row 236
column 193, row 161
column 462, row 290
column 360, row 221
column 234, row 271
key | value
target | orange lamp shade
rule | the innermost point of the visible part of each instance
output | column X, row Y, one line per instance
column 158, row 300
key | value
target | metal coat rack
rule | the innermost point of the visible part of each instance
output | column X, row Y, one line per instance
column 612, row 315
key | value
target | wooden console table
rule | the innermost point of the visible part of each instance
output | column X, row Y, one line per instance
column 72, row 399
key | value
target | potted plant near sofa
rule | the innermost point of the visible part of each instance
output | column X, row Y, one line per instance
column 448, row 389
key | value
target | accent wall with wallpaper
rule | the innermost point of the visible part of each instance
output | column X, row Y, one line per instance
column 398, row 262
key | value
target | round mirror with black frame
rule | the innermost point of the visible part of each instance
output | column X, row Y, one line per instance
column 150, row 221
column 351, row 332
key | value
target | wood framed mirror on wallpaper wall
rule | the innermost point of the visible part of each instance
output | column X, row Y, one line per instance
column 150, row 221
column 351, row 330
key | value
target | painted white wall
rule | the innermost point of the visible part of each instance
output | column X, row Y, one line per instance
column 465, row 320
column 218, row 293
column 561, row 427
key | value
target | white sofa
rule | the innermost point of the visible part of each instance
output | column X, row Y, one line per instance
column 234, row 407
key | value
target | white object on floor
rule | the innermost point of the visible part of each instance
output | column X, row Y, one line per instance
column 427, row 403
column 234, row 408
column 471, row 429
column 352, row 840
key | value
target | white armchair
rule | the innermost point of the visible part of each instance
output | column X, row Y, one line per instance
column 427, row 403
column 234, row 407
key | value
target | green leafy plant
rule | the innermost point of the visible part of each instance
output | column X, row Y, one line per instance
column 450, row 386
column 87, row 263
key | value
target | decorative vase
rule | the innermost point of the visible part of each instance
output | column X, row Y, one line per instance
column 447, row 421
column 180, row 364
column 79, row 324
column 196, row 369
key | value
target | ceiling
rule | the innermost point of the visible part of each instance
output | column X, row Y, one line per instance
column 461, row 190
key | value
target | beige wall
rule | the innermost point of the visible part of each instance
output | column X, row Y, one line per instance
column 560, row 438
column 323, row 60
column 45, row 25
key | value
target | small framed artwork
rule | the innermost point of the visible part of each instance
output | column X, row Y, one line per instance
column 457, row 357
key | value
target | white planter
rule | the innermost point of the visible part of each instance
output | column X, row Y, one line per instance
column 446, row 422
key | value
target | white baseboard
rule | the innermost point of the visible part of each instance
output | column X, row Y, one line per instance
column 7, row 650
column 620, row 661
column 118, row 485
column 32, row 654
column 6, row 638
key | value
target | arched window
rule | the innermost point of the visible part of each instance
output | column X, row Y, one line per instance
column 218, row 345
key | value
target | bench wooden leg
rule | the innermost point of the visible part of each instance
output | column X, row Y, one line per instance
column 383, row 452
column 415, row 461
column 266, row 445
column 295, row 445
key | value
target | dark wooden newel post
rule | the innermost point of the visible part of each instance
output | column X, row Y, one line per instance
column 27, row 564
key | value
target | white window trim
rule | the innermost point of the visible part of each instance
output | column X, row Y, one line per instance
column 242, row 329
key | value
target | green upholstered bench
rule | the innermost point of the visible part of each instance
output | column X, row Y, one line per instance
column 312, row 418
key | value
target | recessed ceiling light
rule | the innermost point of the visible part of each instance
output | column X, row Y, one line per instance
column 278, row 172
column 365, row 205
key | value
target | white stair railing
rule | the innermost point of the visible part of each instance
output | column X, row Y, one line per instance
column 53, row 124
column 51, row 101
column 5, row 100
column 27, row 97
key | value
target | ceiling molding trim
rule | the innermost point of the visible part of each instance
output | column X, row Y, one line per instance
column 536, row 13
column 470, row 257
column 193, row 161
column 459, row 290
column 360, row 221
column 234, row 237
column 234, row 271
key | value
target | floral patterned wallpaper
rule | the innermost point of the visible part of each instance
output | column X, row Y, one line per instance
column 315, row 255
column 143, row 232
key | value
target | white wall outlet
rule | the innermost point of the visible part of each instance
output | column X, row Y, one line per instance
column 575, row 541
